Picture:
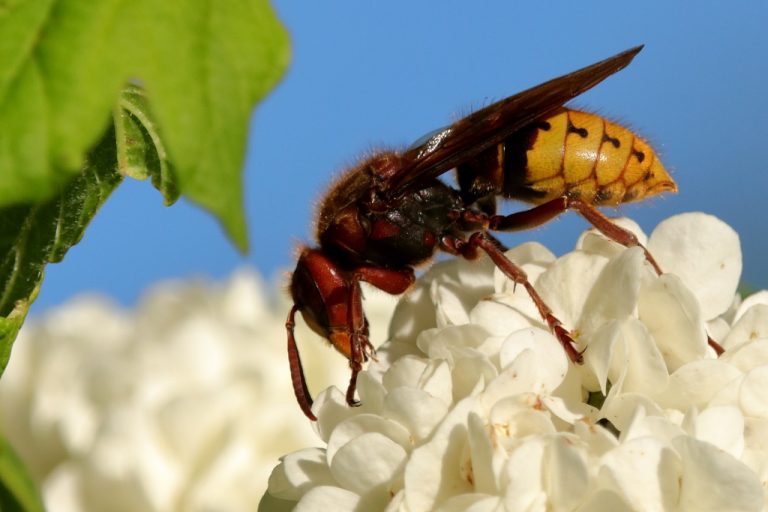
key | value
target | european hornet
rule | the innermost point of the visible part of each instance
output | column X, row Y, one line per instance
column 391, row 212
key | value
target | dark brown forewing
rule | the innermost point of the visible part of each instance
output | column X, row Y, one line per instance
column 467, row 137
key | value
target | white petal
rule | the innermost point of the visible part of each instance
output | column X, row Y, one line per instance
column 131, row 456
column 600, row 365
column 431, row 474
column 718, row 328
column 752, row 396
column 415, row 409
column 525, row 475
column 713, row 480
column 517, row 299
column 530, row 252
column 729, row 315
column 498, row 318
column 760, row 297
column 331, row 408
column 722, row 426
column 673, row 317
column 511, row 383
column 452, row 286
column 597, row 439
column 696, row 383
column 657, row 427
column 388, row 353
column 397, row 503
column 566, row 285
column 636, row 365
column 517, row 417
column 63, row 487
column 705, row 253
column 748, row 355
column 481, row 457
column 728, row 394
column 645, row 472
column 369, row 465
column 356, row 426
column 434, row 377
column 232, row 479
column 371, row 392
column 451, row 341
column 560, row 409
column 298, row 472
column 472, row 503
column 595, row 242
column 437, row 381
column 615, row 292
column 452, row 304
column 475, row 276
column 532, row 257
column 566, row 473
column 646, row 371
column 527, row 502
column 755, row 454
column 471, row 375
column 752, row 325
column 272, row 504
column 606, row 500
column 573, row 389
column 414, row 313
column 505, row 286
column 543, row 368
column 324, row 498
column 406, row 371
column 621, row 409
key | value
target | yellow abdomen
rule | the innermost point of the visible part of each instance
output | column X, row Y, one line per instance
column 583, row 155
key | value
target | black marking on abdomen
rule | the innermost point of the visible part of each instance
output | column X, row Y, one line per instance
column 616, row 142
column 583, row 132
column 602, row 195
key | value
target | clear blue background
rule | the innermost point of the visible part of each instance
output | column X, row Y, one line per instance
column 366, row 75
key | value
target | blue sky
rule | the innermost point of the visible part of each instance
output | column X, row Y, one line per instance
column 367, row 75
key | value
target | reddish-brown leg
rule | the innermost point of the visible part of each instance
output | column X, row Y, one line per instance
column 297, row 371
column 388, row 280
column 625, row 238
column 359, row 340
column 480, row 240
column 545, row 212
column 551, row 209
column 610, row 229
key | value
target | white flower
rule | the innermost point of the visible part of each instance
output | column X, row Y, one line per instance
column 473, row 404
column 185, row 404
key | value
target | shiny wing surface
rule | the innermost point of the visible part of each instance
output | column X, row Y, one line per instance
column 446, row 148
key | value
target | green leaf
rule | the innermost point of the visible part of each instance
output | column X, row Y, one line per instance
column 36, row 234
column 56, row 95
column 224, row 56
column 10, row 325
column 204, row 65
column 33, row 235
column 141, row 153
column 17, row 490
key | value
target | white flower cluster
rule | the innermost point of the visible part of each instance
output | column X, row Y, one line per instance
column 474, row 406
column 184, row 404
